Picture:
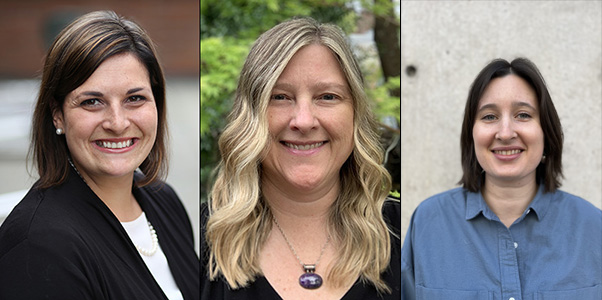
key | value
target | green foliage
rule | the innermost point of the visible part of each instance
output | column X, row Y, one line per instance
column 384, row 103
column 247, row 19
column 221, row 61
column 380, row 7
column 378, row 91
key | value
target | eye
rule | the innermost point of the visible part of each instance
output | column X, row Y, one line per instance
column 135, row 98
column 90, row 102
column 329, row 97
column 523, row 116
column 489, row 117
column 279, row 97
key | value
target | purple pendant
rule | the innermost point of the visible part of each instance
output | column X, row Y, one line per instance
column 309, row 279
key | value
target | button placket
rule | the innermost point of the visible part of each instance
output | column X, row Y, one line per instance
column 511, row 287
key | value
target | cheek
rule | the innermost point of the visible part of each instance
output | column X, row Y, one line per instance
column 482, row 136
column 79, row 125
column 538, row 138
column 276, row 121
column 147, row 120
column 341, row 121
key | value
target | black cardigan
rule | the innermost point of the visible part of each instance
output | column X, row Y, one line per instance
column 261, row 288
column 64, row 243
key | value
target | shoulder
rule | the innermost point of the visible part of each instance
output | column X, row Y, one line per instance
column 572, row 205
column 43, row 232
column 442, row 203
column 160, row 189
column 161, row 196
column 34, row 217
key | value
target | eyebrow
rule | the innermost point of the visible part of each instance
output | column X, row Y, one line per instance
column 92, row 93
column 514, row 105
column 134, row 90
column 319, row 85
column 99, row 94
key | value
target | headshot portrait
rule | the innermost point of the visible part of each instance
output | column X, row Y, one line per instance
column 501, row 150
column 101, row 219
column 300, row 204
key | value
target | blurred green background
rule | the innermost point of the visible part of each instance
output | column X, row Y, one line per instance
column 229, row 27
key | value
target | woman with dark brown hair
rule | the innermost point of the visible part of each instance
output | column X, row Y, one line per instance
column 99, row 223
column 508, row 232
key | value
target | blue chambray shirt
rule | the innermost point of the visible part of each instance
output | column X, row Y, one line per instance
column 457, row 248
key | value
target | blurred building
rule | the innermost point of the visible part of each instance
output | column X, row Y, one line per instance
column 27, row 27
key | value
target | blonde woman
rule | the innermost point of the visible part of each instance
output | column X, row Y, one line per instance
column 299, row 207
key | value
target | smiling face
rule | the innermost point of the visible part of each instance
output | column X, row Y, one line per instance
column 507, row 133
column 310, row 116
column 110, row 121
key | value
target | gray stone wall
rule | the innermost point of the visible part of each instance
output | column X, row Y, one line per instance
column 449, row 42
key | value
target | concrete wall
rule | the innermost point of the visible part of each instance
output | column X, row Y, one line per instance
column 449, row 42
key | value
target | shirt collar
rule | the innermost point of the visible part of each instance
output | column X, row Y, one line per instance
column 541, row 202
column 475, row 204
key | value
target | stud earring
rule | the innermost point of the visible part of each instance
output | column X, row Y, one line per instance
column 543, row 159
column 59, row 131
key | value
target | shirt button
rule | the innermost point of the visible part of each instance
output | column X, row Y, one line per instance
column 515, row 246
column 528, row 211
column 511, row 298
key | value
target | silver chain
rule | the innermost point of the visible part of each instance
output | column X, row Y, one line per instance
column 74, row 168
column 293, row 249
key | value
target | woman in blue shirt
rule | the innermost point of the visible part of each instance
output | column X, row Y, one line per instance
column 508, row 232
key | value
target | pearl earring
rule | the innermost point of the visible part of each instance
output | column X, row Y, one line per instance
column 59, row 131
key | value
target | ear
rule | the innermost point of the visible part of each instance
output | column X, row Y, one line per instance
column 57, row 118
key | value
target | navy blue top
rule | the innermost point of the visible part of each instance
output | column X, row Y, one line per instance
column 457, row 248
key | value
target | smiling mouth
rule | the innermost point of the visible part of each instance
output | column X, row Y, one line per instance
column 113, row 145
column 303, row 147
column 507, row 152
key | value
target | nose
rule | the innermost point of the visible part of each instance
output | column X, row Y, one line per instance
column 506, row 130
column 116, row 119
column 304, row 116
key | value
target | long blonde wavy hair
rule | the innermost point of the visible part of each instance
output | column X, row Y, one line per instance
column 240, row 219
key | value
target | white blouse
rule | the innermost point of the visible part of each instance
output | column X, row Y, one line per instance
column 140, row 234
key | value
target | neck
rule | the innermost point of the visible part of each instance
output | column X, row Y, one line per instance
column 301, row 215
column 509, row 200
column 116, row 193
column 312, row 204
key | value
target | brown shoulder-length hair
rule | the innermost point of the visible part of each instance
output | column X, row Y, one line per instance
column 549, row 172
column 75, row 54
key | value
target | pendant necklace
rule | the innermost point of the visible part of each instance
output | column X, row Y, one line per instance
column 309, row 279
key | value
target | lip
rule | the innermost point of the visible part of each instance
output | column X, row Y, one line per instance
column 507, row 153
column 134, row 142
column 303, row 147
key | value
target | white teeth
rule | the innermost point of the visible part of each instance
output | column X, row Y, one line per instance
column 113, row 145
column 303, row 147
column 507, row 152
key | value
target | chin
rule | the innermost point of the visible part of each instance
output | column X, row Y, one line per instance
column 120, row 171
column 307, row 184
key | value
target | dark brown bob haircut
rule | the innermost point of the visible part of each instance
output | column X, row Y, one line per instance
column 549, row 172
column 76, row 53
